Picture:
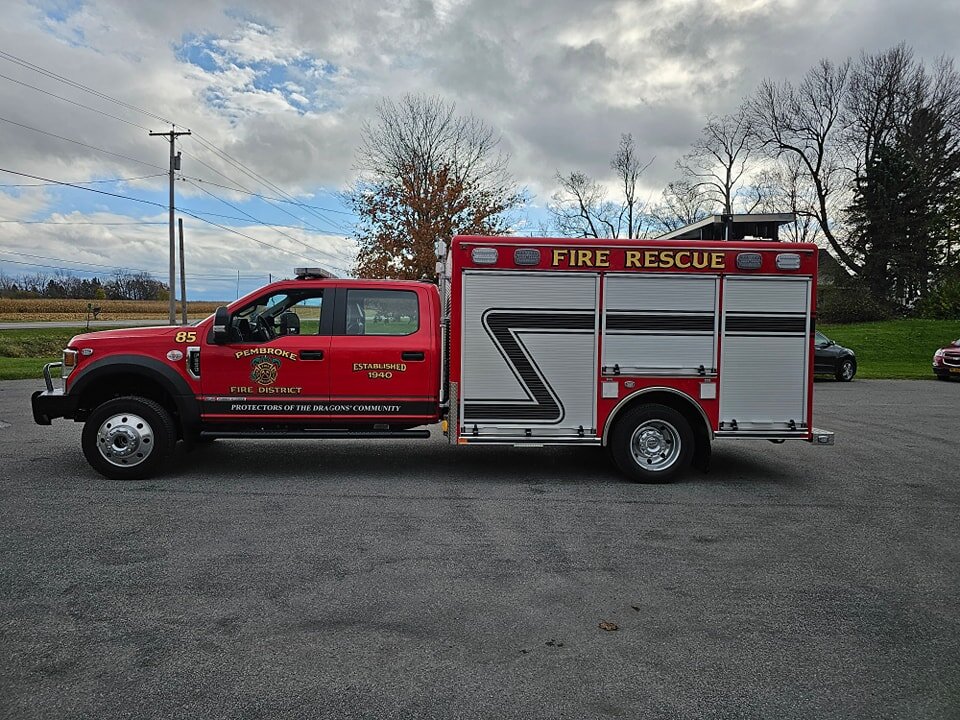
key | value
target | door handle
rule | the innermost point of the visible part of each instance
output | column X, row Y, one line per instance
column 410, row 355
column 311, row 354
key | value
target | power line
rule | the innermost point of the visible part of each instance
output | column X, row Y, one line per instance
column 80, row 86
column 248, row 237
column 247, row 190
column 86, row 182
column 77, row 222
column 275, row 227
column 258, row 195
column 132, row 198
column 81, row 187
column 203, row 141
column 230, row 277
column 77, row 142
column 73, row 102
column 253, row 174
column 156, row 204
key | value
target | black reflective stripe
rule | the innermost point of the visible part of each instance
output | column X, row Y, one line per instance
column 765, row 324
column 542, row 404
column 663, row 323
column 293, row 405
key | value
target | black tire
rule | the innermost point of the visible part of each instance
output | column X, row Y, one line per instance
column 846, row 369
column 665, row 428
column 945, row 378
column 128, row 438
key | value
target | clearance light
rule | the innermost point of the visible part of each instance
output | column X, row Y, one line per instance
column 526, row 256
column 788, row 261
column 749, row 261
column 484, row 256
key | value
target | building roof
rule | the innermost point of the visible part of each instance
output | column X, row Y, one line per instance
column 742, row 225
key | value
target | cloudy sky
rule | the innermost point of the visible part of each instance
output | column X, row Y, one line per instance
column 281, row 89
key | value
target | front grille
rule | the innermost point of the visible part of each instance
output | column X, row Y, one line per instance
column 952, row 359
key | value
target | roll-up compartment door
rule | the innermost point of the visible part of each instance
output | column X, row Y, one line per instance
column 529, row 353
column 660, row 324
column 765, row 353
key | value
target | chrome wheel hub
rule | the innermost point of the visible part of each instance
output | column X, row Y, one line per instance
column 125, row 440
column 655, row 445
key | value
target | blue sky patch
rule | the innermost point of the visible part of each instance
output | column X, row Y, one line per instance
column 302, row 80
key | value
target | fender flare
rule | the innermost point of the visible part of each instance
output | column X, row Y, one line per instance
column 624, row 402
column 174, row 384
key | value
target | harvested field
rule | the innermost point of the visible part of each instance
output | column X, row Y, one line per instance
column 41, row 310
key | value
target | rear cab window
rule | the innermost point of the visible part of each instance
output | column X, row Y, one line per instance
column 382, row 312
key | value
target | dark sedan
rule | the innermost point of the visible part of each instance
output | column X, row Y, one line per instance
column 835, row 359
column 946, row 361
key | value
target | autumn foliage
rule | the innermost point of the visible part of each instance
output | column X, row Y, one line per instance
column 426, row 175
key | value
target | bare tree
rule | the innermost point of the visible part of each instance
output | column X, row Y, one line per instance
column 426, row 173
column 581, row 208
column 786, row 187
column 806, row 122
column 720, row 157
column 682, row 203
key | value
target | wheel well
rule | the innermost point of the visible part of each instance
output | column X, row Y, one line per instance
column 112, row 386
column 684, row 405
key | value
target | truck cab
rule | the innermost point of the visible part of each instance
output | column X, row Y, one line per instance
column 310, row 357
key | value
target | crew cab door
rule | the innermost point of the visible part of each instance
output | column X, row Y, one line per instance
column 274, row 366
column 384, row 356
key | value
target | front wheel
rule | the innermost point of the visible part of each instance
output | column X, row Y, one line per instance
column 128, row 438
column 846, row 370
column 652, row 444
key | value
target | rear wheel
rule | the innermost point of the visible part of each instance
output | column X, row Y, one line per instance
column 846, row 369
column 652, row 444
column 128, row 438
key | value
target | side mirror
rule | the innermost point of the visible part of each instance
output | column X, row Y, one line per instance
column 221, row 326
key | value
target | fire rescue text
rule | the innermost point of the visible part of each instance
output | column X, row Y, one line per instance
column 638, row 259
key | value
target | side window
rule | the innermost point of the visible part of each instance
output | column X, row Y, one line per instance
column 283, row 313
column 308, row 310
column 382, row 312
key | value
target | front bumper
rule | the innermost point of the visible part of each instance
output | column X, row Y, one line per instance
column 52, row 402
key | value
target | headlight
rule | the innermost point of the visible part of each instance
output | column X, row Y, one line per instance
column 69, row 363
column 938, row 353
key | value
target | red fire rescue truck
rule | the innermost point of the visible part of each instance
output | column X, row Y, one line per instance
column 652, row 349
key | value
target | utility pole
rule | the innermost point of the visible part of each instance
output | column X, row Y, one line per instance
column 174, row 165
column 183, row 277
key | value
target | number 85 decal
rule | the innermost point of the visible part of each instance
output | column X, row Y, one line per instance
column 185, row 336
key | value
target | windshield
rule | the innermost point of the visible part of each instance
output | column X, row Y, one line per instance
column 821, row 338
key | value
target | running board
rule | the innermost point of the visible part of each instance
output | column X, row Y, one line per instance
column 317, row 434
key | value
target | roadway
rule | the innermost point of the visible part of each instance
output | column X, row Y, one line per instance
column 410, row 579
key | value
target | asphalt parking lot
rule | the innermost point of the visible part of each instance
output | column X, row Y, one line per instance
column 414, row 580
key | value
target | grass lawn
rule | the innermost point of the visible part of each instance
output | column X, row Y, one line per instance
column 894, row 348
column 23, row 353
